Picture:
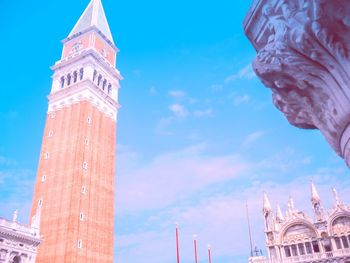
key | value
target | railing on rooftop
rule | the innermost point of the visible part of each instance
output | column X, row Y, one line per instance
column 339, row 253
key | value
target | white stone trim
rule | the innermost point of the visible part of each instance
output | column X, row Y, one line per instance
column 79, row 93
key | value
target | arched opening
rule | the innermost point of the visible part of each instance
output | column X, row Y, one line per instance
column 16, row 259
column 109, row 88
column 99, row 80
column 75, row 76
column 69, row 79
column 95, row 75
column 104, row 84
column 81, row 73
column 62, row 82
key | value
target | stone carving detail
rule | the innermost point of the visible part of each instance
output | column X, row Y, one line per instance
column 303, row 57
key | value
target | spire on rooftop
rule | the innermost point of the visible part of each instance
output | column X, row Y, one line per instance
column 315, row 198
column 266, row 204
column 279, row 215
column 336, row 197
column 93, row 16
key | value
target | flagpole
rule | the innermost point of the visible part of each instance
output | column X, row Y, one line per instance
column 209, row 253
column 250, row 233
column 195, row 248
column 177, row 244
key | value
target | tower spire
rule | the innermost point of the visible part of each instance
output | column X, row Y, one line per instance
column 93, row 17
column 266, row 204
column 316, row 203
column 279, row 215
column 336, row 197
column 314, row 194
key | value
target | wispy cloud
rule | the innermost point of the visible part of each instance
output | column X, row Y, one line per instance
column 203, row 113
column 178, row 110
column 177, row 94
column 253, row 137
column 153, row 91
column 238, row 100
column 245, row 73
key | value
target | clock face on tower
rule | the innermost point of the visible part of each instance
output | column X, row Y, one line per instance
column 77, row 47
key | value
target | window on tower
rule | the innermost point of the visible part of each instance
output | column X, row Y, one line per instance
column 99, row 80
column 104, row 84
column 69, row 78
column 75, row 76
column 95, row 75
column 62, row 82
column 83, row 189
column 80, row 243
column 81, row 73
column 109, row 88
column 85, row 165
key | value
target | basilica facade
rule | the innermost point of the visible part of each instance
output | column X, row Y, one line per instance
column 296, row 237
column 19, row 242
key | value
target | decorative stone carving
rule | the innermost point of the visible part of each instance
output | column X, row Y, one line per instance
column 303, row 52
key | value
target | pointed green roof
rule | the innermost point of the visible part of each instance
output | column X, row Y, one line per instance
column 94, row 15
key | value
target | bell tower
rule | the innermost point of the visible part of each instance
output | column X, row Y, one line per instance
column 75, row 179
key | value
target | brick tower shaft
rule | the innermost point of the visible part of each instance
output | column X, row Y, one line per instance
column 76, row 172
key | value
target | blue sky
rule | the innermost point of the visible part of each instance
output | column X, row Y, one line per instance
column 197, row 135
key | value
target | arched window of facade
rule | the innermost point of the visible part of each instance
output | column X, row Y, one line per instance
column 62, row 82
column 294, row 250
column 81, row 73
column 337, row 242
column 16, row 259
column 75, row 76
column 301, row 249
column 99, row 80
column 69, row 78
column 287, row 251
column 308, row 248
column 104, row 84
column 95, row 75
column 109, row 88
column 315, row 246
column 345, row 242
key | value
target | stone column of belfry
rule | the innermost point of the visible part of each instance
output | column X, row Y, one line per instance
column 76, row 171
column 303, row 56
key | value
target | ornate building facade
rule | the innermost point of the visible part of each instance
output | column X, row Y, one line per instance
column 18, row 242
column 296, row 237
column 76, row 171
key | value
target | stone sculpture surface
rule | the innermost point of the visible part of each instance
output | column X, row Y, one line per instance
column 303, row 57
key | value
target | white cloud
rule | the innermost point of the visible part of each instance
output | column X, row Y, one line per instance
column 153, row 91
column 177, row 94
column 241, row 99
column 203, row 113
column 252, row 137
column 246, row 73
column 178, row 110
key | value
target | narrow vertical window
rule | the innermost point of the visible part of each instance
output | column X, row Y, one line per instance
column 86, row 142
column 109, row 89
column 104, row 84
column 83, row 190
column 85, row 165
column 81, row 216
column 308, row 248
column 315, row 247
column 53, row 115
column 47, row 155
column 287, row 251
column 50, row 133
column 80, row 244
column 43, row 178
column 62, row 82
column 301, row 249
column 88, row 120
column 75, row 76
column 81, row 73
column 95, row 75
column 40, row 202
column 99, row 80
column 337, row 242
column 69, row 78
column 294, row 250
column 345, row 242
